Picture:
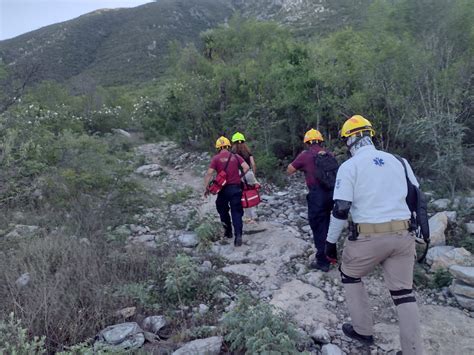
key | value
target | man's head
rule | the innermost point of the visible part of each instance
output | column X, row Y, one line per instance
column 222, row 143
column 313, row 136
column 357, row 130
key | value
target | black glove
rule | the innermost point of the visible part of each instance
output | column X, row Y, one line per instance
column 331, row 252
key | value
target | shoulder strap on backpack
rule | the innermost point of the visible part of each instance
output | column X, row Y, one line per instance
column 417, row 203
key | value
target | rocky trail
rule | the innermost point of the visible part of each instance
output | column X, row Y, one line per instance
column 275, row 261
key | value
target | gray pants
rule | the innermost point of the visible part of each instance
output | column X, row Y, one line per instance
column 395, row 252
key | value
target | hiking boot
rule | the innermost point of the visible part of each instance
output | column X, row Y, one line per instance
column 238, row 240
column 351, row 333
column 228, row 233
column 324, row 267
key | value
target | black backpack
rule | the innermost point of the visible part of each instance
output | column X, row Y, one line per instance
column 417, row 205
column 326, row 169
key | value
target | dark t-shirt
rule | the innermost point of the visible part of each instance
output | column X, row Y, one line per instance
column 219, row 161
column 305, row 162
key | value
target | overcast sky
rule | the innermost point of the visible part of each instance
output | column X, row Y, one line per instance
column 20, row 16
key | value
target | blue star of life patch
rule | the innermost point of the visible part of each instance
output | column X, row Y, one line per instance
column 338, row 183
column 378, row 161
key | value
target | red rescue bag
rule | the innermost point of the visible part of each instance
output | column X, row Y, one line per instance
column 218, row 183
column 250, row 196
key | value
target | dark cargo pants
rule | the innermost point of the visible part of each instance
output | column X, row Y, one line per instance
column 320, row 205
column 230, row 198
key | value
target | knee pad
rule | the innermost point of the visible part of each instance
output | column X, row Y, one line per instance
column 402, row 296
column 346, row 279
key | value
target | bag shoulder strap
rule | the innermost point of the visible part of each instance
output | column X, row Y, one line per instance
column 400, row 159
column 228, row 160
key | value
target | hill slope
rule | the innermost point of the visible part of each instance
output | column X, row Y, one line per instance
column 124, row 46
column 115, row 46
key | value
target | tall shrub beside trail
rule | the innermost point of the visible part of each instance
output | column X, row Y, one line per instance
column 407, row 61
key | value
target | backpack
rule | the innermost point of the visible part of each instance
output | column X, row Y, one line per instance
column 326, row 169
column 418, row 207
column 220, row 180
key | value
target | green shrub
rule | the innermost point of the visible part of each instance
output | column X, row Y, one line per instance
column 181, row 280
column 139, row 292
column 14, row 339
column 422, row 278
column 441, row 278
column 256, row 328
column 105, row 119
column 185, row 284
column 209, row 231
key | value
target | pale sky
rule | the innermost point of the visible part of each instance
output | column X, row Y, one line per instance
column 21, row 16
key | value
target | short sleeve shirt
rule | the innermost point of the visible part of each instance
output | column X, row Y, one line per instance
column 219, row 161
column 374, row 181
column 305, row 162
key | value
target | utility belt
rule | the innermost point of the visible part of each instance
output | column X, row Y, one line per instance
column 377, row 228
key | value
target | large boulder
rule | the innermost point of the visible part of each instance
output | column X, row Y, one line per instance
column 461, row 288
column 435, row 253
column 455, row 256
column 208, row 346
column 465, row 302
column 463, row 273
column 438, row 224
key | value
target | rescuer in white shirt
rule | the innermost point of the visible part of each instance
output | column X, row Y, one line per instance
column 372, row 187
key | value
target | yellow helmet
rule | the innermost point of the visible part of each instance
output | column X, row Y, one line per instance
column 222, row 142
column 313, row 135
column 356, row 124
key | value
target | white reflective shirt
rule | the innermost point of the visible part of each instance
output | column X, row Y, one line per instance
column 374, row 181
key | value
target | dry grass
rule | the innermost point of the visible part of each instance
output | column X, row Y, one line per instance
column 71, row 293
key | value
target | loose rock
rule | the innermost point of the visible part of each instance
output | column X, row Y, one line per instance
column 154, row 323
column 125, row 336
column 189, row 240
column 331, row 349
column 23, row 280
column 208, row 346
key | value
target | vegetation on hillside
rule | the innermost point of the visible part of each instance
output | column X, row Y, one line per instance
column 408, row 69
